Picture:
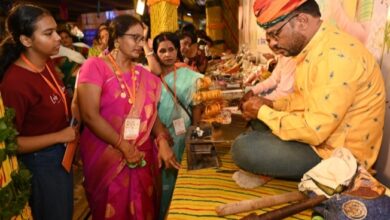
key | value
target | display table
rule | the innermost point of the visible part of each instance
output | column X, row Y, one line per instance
column 198, row 192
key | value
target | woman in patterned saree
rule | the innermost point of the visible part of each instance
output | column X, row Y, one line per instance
column 176, row 109
column 118, row 103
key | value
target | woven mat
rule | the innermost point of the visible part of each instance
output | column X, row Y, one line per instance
column 198, row 192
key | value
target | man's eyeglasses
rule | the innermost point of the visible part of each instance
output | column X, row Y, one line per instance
column 136, row 37
column 274, row 35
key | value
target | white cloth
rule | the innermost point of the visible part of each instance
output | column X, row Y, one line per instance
column 81, row 44
column 338, row 169
column 71, row 54
column 75, row 31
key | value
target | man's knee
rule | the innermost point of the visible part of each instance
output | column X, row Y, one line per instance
column 247, row 152
column 242, row 150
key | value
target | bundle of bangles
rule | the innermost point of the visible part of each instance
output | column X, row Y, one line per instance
column 141, row 163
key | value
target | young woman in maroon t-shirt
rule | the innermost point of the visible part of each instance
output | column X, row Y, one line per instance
column 29, row 84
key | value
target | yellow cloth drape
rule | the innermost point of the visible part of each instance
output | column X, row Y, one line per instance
column 215, row 24
column 9, row 165
column 163, row 16
column 198, row 192
column 174, row 2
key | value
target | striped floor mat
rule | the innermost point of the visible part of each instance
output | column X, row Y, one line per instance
column 198, row 192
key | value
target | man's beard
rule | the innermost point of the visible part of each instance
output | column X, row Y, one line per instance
column 296, row 45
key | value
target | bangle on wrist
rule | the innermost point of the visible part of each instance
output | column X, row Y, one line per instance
column 149, row 54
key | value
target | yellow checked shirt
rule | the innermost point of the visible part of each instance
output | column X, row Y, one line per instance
column 338, row 99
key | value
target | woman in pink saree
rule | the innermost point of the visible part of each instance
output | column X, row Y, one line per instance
column 118, row 104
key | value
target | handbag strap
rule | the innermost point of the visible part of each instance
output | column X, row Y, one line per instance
column 177, row 99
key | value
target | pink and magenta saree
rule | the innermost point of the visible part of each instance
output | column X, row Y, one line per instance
column 115, row 191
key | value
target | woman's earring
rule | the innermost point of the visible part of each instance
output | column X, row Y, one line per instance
column 116, row 49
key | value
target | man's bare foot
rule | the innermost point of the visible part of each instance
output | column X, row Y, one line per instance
column 248, row 180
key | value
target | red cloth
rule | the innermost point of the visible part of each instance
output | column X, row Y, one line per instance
column 64, row 14
column 269, row 10
column 38, row 110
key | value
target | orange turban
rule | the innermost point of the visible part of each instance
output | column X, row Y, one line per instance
column 270, row 12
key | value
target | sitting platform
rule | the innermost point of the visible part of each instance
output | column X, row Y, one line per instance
column 198, row 192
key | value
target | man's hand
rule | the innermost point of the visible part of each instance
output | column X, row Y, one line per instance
column 245, row 98
column 268, row 56
column 251, row 107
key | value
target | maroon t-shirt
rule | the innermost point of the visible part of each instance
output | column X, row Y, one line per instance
column 39, row 110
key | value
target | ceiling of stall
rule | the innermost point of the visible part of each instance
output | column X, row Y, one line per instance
column 77, row 7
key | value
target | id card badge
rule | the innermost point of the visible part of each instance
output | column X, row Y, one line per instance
column 179, row 126
column 132, row 126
